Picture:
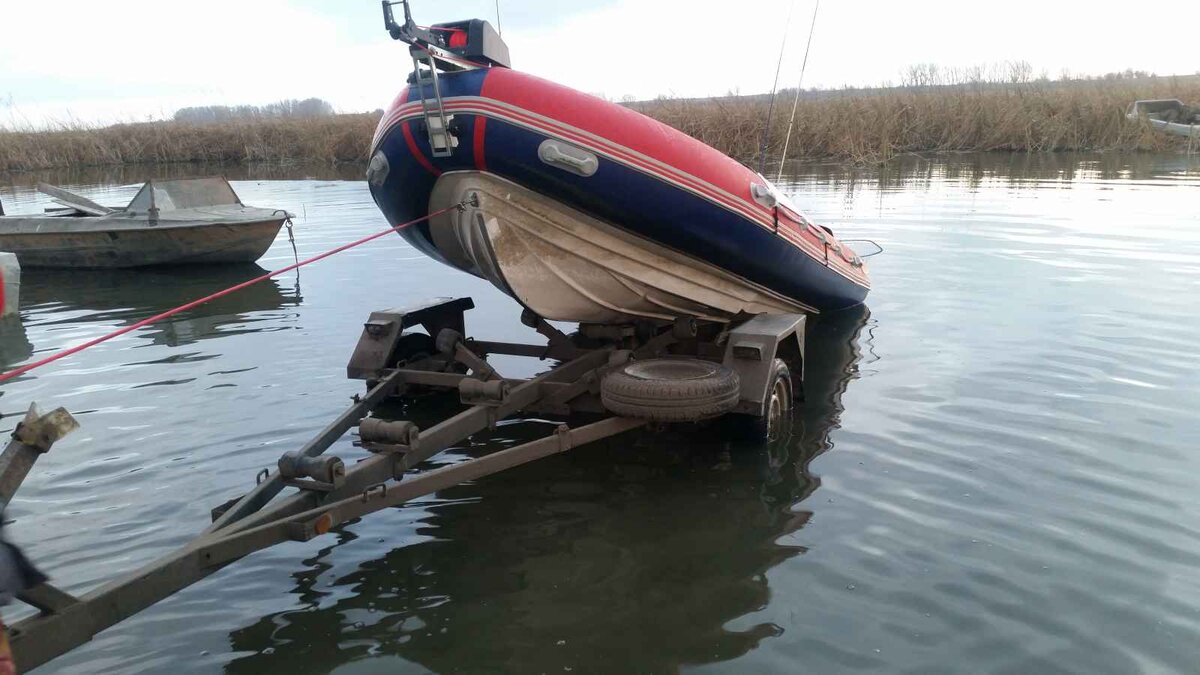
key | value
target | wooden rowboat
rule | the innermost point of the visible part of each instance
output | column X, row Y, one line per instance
column 189, row 221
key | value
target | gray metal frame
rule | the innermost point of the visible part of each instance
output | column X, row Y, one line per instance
column 330, row 492
column 442, row 140
column 752, row 349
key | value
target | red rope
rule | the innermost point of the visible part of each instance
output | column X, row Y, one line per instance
column 208, row 298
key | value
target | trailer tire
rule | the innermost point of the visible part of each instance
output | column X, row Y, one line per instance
column 670, row 390
column 777, row 410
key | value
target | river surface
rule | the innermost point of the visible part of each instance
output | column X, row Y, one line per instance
column 997, row 468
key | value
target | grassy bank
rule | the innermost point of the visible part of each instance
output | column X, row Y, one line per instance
column 333, row 139
column 877, row 124
column 862, row 125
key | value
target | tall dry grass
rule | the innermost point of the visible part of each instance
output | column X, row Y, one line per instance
column 875, row 125
column 339, row 138
column 859, row 125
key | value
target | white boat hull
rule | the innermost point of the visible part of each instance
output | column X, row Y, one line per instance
column 568, row 266
column 1176, row 129
column 1153, row 112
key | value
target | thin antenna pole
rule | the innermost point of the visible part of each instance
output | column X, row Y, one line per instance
column 762, row 146
column 796, row 102
column 499, row 30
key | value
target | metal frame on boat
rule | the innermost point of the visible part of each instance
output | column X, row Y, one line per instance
column 408, row 353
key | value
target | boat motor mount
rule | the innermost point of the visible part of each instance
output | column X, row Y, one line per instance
column 457, row 45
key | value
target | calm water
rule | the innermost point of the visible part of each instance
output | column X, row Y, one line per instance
column 997, row 468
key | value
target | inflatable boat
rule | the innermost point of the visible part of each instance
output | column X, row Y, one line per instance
column 584, row 210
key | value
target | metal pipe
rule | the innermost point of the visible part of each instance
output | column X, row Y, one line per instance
column 437, row 438
column 312, row 523
column 39, row 639
column 247, row 526
column 266, row 491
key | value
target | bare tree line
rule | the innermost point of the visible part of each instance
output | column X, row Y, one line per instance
column 293, row 108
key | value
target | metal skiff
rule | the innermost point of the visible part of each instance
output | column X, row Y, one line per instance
column 172, row 222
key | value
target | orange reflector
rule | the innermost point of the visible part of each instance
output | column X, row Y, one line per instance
column 323, row 524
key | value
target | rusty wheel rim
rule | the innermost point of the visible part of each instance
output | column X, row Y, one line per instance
column 778, row 406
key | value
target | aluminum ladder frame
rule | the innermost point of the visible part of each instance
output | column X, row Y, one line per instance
column 437, row 123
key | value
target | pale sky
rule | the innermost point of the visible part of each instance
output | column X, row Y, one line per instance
column 124, row 60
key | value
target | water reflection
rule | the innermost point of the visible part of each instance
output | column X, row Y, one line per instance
column 915, row 172
column 123, row 297
column 652, row 542
column 14, row 341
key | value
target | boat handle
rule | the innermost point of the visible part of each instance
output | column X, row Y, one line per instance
column 764, row 195
column 568, row 157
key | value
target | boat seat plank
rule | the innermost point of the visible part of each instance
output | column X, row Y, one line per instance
column 73, row 200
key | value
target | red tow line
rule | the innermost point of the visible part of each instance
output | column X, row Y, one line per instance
column 209, row 298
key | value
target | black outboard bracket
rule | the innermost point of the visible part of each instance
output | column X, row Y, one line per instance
column 410, row 32
column 476, row 40
column 473, row 40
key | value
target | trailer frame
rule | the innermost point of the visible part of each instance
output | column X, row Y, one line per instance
column 401, row 352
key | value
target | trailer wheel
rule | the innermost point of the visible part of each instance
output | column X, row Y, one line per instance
column 776, row 409
column 670, row 390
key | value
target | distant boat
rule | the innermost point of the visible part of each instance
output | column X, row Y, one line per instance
column 173, row 222
column 1168, row 115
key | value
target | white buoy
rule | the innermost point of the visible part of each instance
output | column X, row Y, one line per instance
column 10, row 284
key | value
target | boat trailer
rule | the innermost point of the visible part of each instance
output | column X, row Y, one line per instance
column 407, row 353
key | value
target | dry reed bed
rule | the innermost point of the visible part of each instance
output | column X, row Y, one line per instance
column 861, row 125
column 872, row 126
column 340, row 138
